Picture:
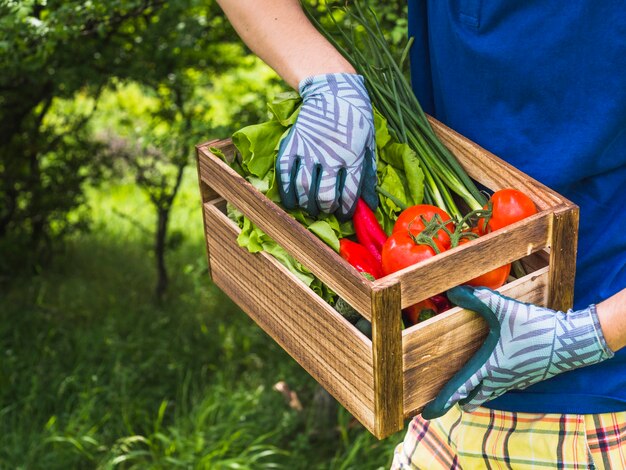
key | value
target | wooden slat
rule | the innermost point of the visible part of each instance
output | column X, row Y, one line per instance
column 206, row 194
column 327, row 265
column 337, row 355
column 433, row 351
column 564, row 242
column 463, row 263
column 387, row 350
column 493, row 172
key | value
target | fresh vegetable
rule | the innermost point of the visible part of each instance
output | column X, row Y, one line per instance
column 360, row 258
column 442, row 302
column 368, row 51
column 414, row 219
column 420, row 311
column 347, row 311
column 492, row 279
column 404, row 249
column 413, row 168
column 368, row 231
column 507, row 207
column 398, row 168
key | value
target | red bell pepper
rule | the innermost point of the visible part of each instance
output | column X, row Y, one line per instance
column 360, row 258
column 368, row 231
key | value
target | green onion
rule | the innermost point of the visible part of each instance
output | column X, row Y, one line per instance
column 393, row 96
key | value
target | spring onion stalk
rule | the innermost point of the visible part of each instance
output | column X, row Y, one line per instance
column 393, row 96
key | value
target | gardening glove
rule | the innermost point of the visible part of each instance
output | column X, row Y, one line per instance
column 327, row 160
column 525, row 344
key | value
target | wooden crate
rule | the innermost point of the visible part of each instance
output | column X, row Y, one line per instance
column 391, row 377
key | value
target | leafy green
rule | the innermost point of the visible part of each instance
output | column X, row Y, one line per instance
column 257, row 145
column 392, row 182
column 255, row 240
column 325, row 232
column 284, row 108
column 398, row 171
column 404, row 159
column 381, row 129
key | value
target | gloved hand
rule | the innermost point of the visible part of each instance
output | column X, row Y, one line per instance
column 525, row 344
column 327, row 160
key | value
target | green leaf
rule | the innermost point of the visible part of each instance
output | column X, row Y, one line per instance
column 326, row 233
column 250, row 237
column 392, row 155
column 285, row 107
column 218, row 153
column 414, row 175
column 257, row 145
column 381, row 129
column 272, row 191
column 255, row 240
column 403, row 158
column 392, row 183
column 289, row 262
column 261, row 184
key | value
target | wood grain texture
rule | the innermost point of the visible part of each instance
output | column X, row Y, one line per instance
column 536, row 261
column 463, row 263
column 398, row 372
column 433, row 351
column 564, row 243
column 327, row 265
column 337, row 355
column 493, row 172
column 206, row 194
column 387, row 356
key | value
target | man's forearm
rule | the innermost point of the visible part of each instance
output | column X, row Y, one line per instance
column 612, row 316
column 280, row 34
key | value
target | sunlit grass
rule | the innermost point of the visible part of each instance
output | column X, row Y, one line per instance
column 95, row 374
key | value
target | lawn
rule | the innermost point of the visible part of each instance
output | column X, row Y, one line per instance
column 95, row 374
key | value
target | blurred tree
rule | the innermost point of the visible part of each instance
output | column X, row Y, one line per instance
column 53, row 50
column 150, row 130
column 58, row 57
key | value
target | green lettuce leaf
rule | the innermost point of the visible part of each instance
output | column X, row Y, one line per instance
column 284, row 108
column 326, row 233
column 257, row 145
column 404, row 159
column 398, row 173
column 381, row 130
column 393, row 184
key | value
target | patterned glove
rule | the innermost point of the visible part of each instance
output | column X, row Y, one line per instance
column 525, row 344
column 327, row 160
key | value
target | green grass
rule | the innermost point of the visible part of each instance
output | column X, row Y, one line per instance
column 95, row 374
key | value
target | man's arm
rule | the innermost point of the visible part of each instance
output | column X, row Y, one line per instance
column 280, row 34
column 612, row 316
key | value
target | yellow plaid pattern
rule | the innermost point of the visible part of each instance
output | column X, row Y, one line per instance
column 491, row 439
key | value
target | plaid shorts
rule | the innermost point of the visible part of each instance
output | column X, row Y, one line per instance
column 491, row 439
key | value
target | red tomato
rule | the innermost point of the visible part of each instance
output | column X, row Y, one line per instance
column 508, row 206
column 424, row 309
column 492, row 279
column 400, row 251
column 412, row 216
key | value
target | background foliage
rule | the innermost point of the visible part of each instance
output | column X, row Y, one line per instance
column 115, row 349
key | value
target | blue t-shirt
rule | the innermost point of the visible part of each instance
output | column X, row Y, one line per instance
column 543, row 85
